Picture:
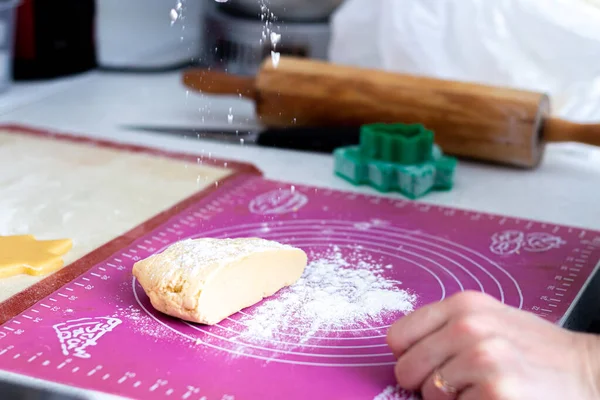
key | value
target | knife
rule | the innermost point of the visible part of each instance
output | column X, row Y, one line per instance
column 315, row 139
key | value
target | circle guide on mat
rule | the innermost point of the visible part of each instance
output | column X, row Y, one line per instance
column 100, row 332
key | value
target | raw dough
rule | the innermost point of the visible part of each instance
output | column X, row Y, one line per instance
column 23, row 254
column 207, row 280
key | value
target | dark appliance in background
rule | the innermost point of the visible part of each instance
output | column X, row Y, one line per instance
column 236, row 28
column 54, row 38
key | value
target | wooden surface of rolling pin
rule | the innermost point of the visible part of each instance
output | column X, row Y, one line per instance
column 487, row 123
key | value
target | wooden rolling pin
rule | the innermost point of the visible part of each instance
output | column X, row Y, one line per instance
column 487, row 123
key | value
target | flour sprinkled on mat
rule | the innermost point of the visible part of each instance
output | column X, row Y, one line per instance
column 337, row 292
column 142, row 323
column 396, row 393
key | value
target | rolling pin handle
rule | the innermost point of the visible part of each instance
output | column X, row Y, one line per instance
column 559, row 130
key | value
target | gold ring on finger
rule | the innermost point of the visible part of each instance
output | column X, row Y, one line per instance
column 442, row 384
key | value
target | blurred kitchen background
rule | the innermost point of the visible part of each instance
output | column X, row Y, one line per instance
column 544, row 45
column 44, row 39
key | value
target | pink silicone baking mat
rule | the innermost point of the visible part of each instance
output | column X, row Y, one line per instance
column 100, row 332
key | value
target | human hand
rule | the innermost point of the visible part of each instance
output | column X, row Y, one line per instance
column 485, row 350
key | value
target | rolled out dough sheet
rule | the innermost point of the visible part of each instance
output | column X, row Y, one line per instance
column 56, row 189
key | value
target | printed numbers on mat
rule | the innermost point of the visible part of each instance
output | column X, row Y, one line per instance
column 125, row 378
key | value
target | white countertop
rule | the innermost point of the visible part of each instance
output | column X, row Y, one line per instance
column 565, row 189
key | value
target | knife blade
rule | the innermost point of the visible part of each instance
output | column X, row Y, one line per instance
column 315, row 139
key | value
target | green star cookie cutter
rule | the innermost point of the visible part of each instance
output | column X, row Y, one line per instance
column 396, row 157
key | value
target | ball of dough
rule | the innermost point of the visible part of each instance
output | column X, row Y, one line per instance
column 206, row 280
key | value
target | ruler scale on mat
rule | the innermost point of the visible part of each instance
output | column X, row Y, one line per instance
column 100, row 332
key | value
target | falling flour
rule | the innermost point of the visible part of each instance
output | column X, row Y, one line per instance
column 268, row 17
column 336, row 292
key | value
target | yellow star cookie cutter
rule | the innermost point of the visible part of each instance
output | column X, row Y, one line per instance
column 23, row 254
